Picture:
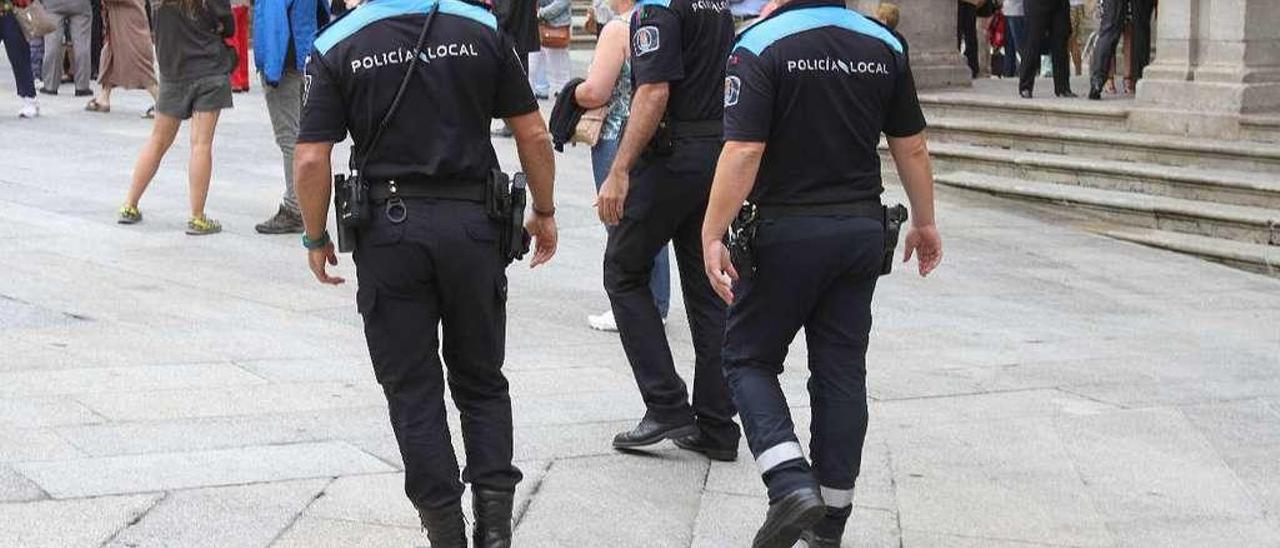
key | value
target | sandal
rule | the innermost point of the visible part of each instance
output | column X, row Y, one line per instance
column 95, row 106
column 150, row 114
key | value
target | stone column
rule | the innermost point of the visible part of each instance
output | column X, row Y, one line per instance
column 1216, row 60
column 930, row 28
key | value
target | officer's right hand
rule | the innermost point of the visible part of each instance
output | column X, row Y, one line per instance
column 543, row 230
column 613, row 197
column 318, row 257
column 720, row 271
column 924, row 242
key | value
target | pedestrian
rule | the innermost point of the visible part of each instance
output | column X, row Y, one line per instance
column 888, row 14
column 519, row 20
column 820, row 244
column 195, row 65
column 1074, row 44
column 1116, row 19
column 1051, row 19
column 1015, row 19
column 128, row 57
column 967, row 32
column 678, row 51
column 15, row 46
column 78, row 14
column 608, row 83
column 428, row 258
column 283, row 34
column 549, row 66
column 240, row 41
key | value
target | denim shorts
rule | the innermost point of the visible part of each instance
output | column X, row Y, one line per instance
column 180, row 98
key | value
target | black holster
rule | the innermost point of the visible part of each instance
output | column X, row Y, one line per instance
column 663, row 142
column 741, row 240
column 894, row 217
column 505, row 202
column 351, row 206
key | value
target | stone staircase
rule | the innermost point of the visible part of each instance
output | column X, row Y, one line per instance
column 1216, row 199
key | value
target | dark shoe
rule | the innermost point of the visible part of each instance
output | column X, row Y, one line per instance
column 788, row 518
column 651, row 431
column 1025, row 93
column 828, row 531
column 84, row 92
column 493, row 518
column 284, row 222
column 1066, row 94
column 445, row 527
column 698, row 443
column 48, row 91
column 1095, row 94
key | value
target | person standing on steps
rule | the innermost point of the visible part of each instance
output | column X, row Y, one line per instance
column 1052, row 19
column 655, row 194
column 283, row 35
column 801, row 138
column 430, row 255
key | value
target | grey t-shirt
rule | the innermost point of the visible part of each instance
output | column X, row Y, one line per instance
column 190, row 45
column 1014, row 8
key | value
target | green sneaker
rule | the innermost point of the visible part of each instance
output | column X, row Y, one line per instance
column 201, row 226
column 129, row 215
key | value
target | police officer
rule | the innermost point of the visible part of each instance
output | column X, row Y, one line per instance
column 656, row 193
column 430, row 256
column 808, row 93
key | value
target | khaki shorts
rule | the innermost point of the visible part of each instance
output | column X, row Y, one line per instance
column 180, row 98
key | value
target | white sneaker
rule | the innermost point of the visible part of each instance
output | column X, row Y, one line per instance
column 603, row 322
column 39, row 83
column 30, row 108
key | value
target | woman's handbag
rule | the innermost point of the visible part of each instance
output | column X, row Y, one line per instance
column 589, row 126
column 34, row 20
column 553, row 37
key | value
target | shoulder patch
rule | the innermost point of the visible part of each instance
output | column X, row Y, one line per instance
column 648, row 39
column 732, row 90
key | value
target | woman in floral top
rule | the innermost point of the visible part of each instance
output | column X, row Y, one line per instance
column 609, row 83
column 15, row 44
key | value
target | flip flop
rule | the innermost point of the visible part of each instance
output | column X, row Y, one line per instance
column 150, row 114
column 95, row 106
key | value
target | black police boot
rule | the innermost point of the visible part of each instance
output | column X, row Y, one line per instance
column 701, row 443
column 493, row 517
column 651, row 431
column 788, row 518
column 830, row 529
column 445, row 526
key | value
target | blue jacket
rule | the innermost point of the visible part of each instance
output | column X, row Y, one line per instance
column 275, row 24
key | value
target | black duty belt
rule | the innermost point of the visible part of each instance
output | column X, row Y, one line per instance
column 697, row 128
column 867, row 208
column 440, row 189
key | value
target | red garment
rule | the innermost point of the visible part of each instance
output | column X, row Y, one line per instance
column 996, row 29
column 240, row 41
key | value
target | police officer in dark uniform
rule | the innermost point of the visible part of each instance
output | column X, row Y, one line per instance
column 656, row 193
column 429, row 255
column 809, row 92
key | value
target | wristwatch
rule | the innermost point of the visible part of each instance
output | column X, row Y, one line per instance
column 317, row 243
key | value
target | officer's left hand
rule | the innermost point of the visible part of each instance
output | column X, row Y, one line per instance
column 318, row 258
column 720, row 271
column 544, row 233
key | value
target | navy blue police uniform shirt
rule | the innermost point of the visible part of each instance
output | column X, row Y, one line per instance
column 819, row 83
column 470, row 74
column 683, row 42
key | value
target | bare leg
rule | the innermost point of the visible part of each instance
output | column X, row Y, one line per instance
column 104, row 96
column 163, row 131
column 200, row 170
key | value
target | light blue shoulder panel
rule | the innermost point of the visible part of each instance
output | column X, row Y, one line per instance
column 660, row 3
column 378, row 10
column 765, row 33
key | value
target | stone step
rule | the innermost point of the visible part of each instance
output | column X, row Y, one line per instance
column 1109, row 115
column 1264, row 259
column 1232, row 222
column 1261, row 128
column 1112, row 145
column 1189, row 183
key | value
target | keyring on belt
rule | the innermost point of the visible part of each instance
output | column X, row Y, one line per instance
column 396, row 211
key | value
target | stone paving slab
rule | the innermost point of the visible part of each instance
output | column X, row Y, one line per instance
column 62, row 523
column 166, row 471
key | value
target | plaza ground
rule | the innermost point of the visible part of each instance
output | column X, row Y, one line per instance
column 1047, row 387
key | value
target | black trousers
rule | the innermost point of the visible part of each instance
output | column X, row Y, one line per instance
column 1114, row 16
column 1051, row 20
column 666, row 203
column 818, row 273
column 440, row 269
column 967, row 34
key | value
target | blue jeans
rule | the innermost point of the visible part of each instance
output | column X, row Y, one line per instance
column 660, row 278
column 1013, row 43
column 15, row 44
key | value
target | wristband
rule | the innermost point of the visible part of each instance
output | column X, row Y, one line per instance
column 318, row 243
column 541, row 213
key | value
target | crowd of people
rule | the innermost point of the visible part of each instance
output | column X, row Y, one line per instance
column 1026, row 39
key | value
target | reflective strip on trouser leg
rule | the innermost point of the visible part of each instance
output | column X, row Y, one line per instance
column 778, row 454
column 837, row 498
